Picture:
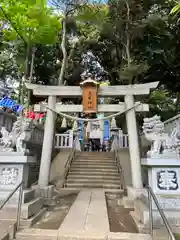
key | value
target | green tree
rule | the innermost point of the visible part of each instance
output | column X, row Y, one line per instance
column 32, row 23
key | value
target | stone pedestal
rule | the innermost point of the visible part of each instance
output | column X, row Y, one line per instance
column 164, row 179
column 14, row 168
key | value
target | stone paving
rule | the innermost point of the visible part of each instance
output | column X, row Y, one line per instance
column 87, row 219
column 88, row 213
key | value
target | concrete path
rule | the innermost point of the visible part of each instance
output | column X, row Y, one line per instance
column 87, row 219
column 87, row 214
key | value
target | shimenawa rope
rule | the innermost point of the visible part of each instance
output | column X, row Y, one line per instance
column 95, row 119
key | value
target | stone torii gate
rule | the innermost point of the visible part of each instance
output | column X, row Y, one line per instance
column 128, row 91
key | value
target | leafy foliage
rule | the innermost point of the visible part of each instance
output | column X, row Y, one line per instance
column 136, row 42
column 32, row 20
column 176, row 9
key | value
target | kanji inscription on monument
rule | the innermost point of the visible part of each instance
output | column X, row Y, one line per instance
column 167, row 180
column 9, row 176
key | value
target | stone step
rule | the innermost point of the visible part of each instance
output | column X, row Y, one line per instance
column 92, row 166
column 31, row 208
column 37, row 234
column 94, row 158
column 93, row 170
column 27, row 209
column 127, row 203
column 128, row 236
column 7, row 229
column 93, row 163
column 140, row 226
column 97, row 173
column 88, row 176
column 109, row 154
column 44, row 234
column 142, row 211
column 93, row 180
column 26, row 223
column 94, row 185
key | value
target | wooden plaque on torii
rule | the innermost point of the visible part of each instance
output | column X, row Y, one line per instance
column 89, row 95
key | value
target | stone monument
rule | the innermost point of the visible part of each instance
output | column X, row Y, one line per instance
column 162, row 167
column 15, row 166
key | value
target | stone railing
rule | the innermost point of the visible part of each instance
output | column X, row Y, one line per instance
column 64, row 140
column 37, row 134
column 35, row 141
column 67, row 140
column 7, row 120
column 123, row 141
column 171, row 123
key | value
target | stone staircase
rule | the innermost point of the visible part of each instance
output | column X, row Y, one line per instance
column 93, row 170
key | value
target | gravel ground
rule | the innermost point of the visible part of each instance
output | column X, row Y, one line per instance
column 56, row 214
column 120, row 219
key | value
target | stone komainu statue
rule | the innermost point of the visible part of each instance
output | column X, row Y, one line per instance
column 14, row 141
column 163, row 145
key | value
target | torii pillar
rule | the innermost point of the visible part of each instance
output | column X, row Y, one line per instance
column 133, row 142
column 47, row 144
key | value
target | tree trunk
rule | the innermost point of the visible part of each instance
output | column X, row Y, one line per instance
column 31, row 73
column 63, row 47
column 127, row 35
column 25, row 74
column 128, row 54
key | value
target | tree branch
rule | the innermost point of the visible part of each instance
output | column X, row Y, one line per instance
column 31, row 72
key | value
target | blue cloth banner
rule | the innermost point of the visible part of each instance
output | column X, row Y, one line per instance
column 81, row 130
column 11, row 104
column 106, row 130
